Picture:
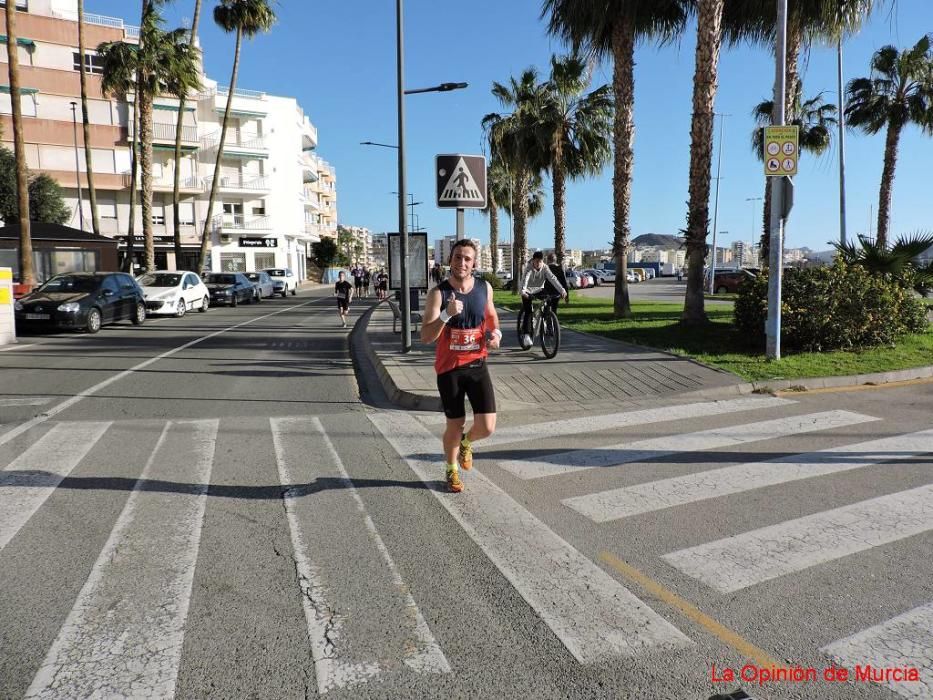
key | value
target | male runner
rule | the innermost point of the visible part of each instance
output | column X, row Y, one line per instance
column 460, row 316
column 344, row 293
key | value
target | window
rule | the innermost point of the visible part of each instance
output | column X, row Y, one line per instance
column 92, row 62
column 233, row 262
column 186, row 213
column 107, row 206
column 264, row 260
column 127, row 283
column 158, row 213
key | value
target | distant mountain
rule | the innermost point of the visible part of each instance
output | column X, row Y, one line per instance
column 661, row 240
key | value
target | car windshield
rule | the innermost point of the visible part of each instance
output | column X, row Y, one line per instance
column 160, row 280
column 71, row 283
column 276, row 273
column 253, row 276
column 222, row 279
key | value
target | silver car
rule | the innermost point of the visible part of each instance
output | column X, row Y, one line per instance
column 263, row 284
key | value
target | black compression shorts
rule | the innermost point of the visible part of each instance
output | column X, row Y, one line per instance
column 343, row 304
column 471, row 381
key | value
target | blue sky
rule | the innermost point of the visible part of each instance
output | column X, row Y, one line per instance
column 338, row 59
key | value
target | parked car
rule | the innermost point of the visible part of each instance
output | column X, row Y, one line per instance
column 175, row 293
column 263, row 283
column 574, row 279
column 631, row 277
column 283, row 280
column 596, row 275
column 82, row 300
column 729, row 281
column 608, row 275
column 229, row 288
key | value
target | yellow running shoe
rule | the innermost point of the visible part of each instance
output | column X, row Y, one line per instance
column 454, row 485
column 465, row 457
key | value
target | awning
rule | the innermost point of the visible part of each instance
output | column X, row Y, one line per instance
column 241, row 112
column 29, row 43
column 5, row 89
column 171, row 108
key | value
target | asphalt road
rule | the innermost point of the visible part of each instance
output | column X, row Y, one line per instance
column 223, row 505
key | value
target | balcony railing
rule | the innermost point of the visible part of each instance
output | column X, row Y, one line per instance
column 165, row 183
column 166, row 132
column 239, row 183
column 224, row 90
column 241, row 222
column 234, row 140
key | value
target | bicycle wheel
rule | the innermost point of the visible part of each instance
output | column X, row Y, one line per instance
column 550, row 334
column 521, row 330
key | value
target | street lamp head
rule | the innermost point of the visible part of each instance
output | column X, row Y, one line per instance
column 446, row 87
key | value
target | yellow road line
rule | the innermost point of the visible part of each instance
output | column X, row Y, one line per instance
column 727, row 636
column 860, row 387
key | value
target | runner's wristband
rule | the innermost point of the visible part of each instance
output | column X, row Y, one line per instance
column 444, row 316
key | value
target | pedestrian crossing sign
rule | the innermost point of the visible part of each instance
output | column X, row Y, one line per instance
column 461, row 181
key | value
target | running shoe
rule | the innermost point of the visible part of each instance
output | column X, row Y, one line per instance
column 465, row 457
column 454, row 485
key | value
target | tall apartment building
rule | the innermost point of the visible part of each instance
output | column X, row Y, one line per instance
column 275, row 195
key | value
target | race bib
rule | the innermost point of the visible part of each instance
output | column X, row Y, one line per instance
column 465, row 339
column 341, row 295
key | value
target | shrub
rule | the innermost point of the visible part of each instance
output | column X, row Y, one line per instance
column 493, row 280
column 838, row 307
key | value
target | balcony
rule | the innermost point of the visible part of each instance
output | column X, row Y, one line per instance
column 241, row 222
column 237, row 145
column 165, row 134
column 247, row 104
column 129, row 31
column 246, row 185
column 187, row 185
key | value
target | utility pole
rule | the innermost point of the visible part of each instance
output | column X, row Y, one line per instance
column 776, row 257
column 74, row 124
column 712, row 275
column 842, row 146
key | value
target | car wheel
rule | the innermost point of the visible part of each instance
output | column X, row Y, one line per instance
column 93, row 321
column 182, row 308
column 205, row 302
column 294, row 290
column 285, row 292
column 258, row 297
column 140, row 316
column 233, row 301
column 722, row 290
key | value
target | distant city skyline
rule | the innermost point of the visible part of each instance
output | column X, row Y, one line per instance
column 346, row 63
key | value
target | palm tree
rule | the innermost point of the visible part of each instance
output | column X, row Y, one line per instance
column 26, row 275
column 245, row 17
column 814, row 120
column 497, row 194
column 705, row 75
column 899, row 92
column 119, row 60
column 176, row 182
column 577, row 133
column 881, row 258
column 516, row 140
column 85, row 122
column 611, row 28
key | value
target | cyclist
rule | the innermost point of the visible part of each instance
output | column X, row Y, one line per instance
column 536, row 276
column 459, row 315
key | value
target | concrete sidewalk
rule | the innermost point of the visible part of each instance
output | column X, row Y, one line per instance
column 589, row 372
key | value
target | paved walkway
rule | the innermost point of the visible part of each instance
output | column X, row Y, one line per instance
column 589, row 371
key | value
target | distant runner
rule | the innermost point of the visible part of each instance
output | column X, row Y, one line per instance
column 459, row 315
column 344, row 293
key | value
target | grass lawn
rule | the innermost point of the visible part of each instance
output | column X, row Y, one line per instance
column 656, row 325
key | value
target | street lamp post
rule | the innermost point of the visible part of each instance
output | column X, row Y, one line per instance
column 753, row 200
column 712, row 276
column 74, row 124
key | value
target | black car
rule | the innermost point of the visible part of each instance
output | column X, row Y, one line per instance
column 83, row 300
column 229, row 288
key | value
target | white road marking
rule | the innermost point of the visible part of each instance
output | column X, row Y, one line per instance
column 651, row 449
column 68, row 403
column 31, row 478
column 333, row 667
column 598, row 423
column 667, row 493
column 18, row 347
column 592, row 614
column 734, row 563
column 903, row 641
column 26, row 401
column 124, row 635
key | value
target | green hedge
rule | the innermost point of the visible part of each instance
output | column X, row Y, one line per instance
column 839, row 307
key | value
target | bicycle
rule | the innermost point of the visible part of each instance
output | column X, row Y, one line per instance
column 544, row 325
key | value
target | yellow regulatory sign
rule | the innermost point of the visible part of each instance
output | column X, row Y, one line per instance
column 781, row 146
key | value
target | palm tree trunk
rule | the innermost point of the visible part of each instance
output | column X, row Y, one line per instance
column 134, row 167
column 85, row 121
column 559, row 188
column 26, row 274
column 709, row 36
column 887, row 182
column 792, row 67
column 623, row 132
column 145, row 166
column 520, row 207
column 205, row 236
column 494, row 232
column 176, row 182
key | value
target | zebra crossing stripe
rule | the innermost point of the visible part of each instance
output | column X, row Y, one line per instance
column 592, row 424
column 667, row 493
column 31, row 478
column 295, row 455
column 124, row 635
column 904, row 641
column 654, row 448
column 734, row 563
column 26, row 401
column 594, row 616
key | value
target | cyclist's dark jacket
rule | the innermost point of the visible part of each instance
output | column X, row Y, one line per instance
column 463, row 339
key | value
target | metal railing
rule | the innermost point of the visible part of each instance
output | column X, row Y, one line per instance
column 240, row 222
column 239, row 183
column 131, row 31
column 224, row 90
column 234, row 140
column 165, row 183
column 166, row 132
